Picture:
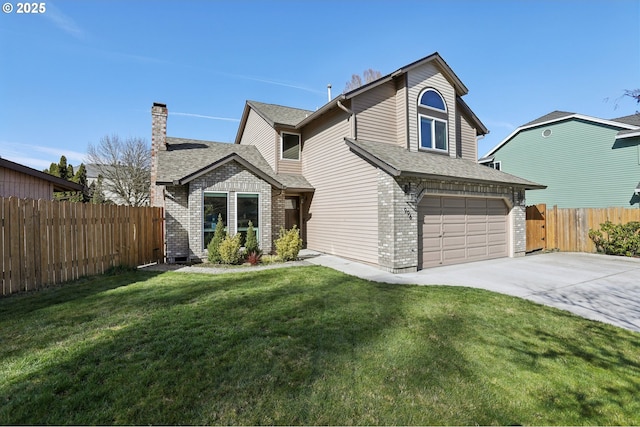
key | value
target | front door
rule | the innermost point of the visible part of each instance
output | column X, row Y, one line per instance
column 291, row 212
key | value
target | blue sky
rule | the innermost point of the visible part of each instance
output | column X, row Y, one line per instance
column 85, row 69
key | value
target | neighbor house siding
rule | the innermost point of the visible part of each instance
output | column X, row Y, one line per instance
column 580, row 162
column 17, row 184
column 343, row 211
column 259, row 133
column 375, row 112
column 428, row 76
column 466, row 135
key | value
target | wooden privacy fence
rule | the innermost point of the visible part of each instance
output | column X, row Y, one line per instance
column 567, row 229
column 45, row 242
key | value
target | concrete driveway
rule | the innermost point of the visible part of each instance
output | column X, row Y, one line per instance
column 597, row 287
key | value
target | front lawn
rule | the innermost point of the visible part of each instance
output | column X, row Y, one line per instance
column 305, row 345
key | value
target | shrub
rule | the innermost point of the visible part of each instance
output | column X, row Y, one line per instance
column 254, row 258
column 617, row 239
column 251, row 245
column 289, row 243
column 230, row 249
column 213, row 248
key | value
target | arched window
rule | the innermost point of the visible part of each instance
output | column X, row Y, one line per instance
column 432, row 99
column 432, row 121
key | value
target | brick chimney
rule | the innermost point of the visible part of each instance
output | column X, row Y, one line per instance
column 159, row 115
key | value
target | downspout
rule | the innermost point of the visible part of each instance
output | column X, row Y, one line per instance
column 354, row 134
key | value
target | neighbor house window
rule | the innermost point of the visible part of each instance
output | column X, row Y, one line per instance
column 247, row 209
column 215, row 204
column 432, row 121
column 290, row 146
column 495, row 165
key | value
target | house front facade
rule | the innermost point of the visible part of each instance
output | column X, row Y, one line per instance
column 586, row 162
column 385, row 174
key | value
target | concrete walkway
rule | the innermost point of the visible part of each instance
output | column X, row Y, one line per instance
column 597, row 287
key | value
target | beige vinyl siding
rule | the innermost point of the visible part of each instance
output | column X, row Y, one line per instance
column 466, row 138
column 343, row 211
column 259, row 133
column 290, row 166
column 287, row 165
column 375, row 112
column 23, row 186
column 421, row 78
column 401, row 112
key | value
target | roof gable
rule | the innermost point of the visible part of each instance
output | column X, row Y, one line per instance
column 275, row 115
column 435, row 58
column 187, row 159
column 558, row 116
column 59, row 184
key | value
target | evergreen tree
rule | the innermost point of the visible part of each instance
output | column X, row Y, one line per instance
column 251, row 245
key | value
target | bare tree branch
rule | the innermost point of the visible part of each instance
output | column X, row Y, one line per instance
column 125, row 166
column 356, row 81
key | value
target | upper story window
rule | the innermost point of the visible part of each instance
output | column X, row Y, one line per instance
column 495, row 165
column 432, row 121
column 290, row 146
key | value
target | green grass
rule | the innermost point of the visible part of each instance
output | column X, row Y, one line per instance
column 305, row 345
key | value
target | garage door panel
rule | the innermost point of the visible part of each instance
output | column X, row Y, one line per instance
column 480, row 240
column 459, row 229
column 431, row 259
column 477, row 253
column 454, row 228
column 454, row 256
column 432, row 244
column 480, row 227
column 449, row 243
column 497, row 250
column 494, row 239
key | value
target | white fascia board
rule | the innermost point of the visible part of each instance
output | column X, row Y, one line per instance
column 629, row 135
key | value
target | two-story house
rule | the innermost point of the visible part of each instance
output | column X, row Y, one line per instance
column 385, row 174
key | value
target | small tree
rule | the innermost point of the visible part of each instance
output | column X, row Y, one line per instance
column 289, row 243
column 213, row 248
column 251, row 245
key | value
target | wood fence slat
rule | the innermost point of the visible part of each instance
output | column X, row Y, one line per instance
column 14, row 240
column 46, row 242
column 567, row 229
column 4, row 247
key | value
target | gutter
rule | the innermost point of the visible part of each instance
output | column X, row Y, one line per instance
column 354, row 132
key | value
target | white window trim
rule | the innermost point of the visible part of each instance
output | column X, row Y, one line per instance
column 498, row 164
column 204, row 193
column 235, row 215
column 433, row 134
column 282, row 146
column 421, row 105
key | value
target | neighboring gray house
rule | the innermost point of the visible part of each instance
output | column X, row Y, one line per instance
column 385, row 174
column 586, row 162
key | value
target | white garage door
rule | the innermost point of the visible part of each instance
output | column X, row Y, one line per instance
column 462, row 229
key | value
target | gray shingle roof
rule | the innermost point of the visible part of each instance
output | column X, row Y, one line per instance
column 186, row 158
column 279, row 114
column 399, row 161
column 633, row 119
column 554, row 115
